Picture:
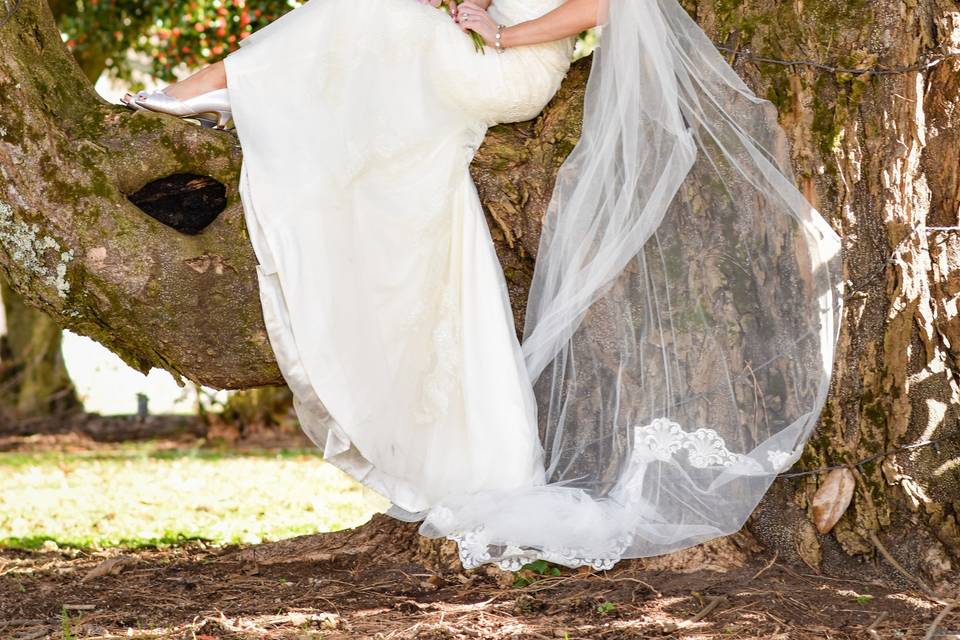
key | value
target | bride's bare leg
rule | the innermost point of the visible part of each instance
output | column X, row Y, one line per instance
column 206, row 79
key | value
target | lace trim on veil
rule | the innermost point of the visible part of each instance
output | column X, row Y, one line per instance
column 661, row 440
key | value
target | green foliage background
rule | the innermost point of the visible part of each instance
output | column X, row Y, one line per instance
column 170, row 32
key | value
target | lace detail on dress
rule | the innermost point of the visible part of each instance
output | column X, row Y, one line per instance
column 440, row 383
column 663, row 438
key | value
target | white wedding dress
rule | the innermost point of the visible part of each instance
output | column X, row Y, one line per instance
column 382, row 294
column 684, row 309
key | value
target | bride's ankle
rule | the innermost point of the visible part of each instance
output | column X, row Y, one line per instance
column 189, row 90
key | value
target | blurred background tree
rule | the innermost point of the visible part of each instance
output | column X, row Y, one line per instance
column 100, row 33
column 34, row 382
column 169, row 34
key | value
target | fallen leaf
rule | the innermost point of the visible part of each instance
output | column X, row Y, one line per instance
column 832, row 499
column 110, row 566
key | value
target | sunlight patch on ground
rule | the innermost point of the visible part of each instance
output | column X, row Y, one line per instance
column 138, row 496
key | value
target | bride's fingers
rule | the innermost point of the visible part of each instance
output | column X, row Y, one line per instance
column 473, row 13
column 472, row 18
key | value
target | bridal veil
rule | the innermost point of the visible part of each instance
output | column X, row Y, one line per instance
column 682, row 320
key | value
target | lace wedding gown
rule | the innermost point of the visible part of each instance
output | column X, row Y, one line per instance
column 382, row 294
column 683, row 314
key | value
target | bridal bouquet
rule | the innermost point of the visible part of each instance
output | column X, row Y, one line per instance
column 478, row 42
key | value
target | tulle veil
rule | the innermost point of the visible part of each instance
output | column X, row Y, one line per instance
column 683, row 315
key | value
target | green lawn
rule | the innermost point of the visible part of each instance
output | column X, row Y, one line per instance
column 142, row 495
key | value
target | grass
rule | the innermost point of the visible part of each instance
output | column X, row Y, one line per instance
column 140, row 495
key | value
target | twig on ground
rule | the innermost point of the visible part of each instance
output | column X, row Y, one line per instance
column 936, row 621
column 21, row 622
column 655, row 591
column 713, row 604
column 872, row 629
column 33, row 635
column 767, row 566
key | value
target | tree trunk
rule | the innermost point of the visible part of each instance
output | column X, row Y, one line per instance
column 34, row 382
column 878, row 156
column 96, row 232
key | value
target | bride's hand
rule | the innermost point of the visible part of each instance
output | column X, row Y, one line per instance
column 451, row 6
column 471, row 16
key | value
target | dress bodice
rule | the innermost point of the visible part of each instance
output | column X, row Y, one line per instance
column 512, row 86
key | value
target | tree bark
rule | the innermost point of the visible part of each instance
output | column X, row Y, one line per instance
column 876, row 154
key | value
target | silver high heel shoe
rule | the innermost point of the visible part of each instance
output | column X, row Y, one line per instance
column 214, row 103
column 129, row 101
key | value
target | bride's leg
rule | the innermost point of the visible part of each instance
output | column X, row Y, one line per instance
column 206, row 79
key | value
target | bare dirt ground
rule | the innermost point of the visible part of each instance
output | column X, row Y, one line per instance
column 384, row 580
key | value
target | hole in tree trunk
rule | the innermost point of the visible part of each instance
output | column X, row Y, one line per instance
column 186, row 202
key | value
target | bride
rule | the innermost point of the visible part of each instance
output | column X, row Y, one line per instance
column 681, row 323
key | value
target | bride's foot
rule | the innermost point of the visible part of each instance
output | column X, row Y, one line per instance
column 128, row 99
column 211, row 108
column 203, row 96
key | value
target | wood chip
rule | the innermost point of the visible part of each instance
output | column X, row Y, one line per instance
column 109, row 567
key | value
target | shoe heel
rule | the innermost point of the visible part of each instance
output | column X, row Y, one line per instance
column 223, row 119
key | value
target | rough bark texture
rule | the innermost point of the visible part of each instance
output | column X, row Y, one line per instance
column 878, row 155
